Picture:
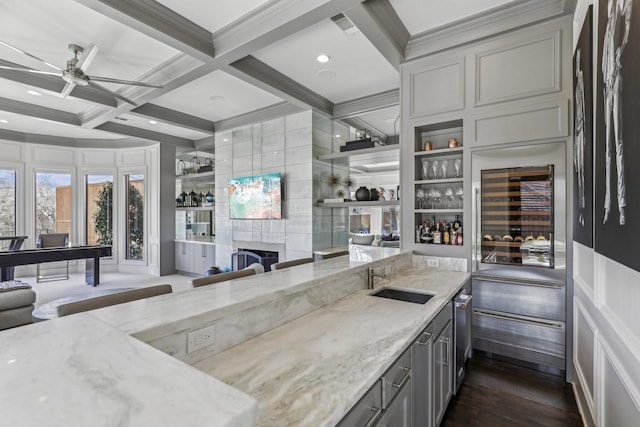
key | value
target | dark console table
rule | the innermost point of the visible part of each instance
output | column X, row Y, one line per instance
column 92, row 255
column 6, row 273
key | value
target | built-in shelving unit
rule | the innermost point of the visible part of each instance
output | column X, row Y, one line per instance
column 438, row 177
column 359, row 204
column 361, row 160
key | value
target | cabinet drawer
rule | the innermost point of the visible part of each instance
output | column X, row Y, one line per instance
column 395, row 377
column 367, row 411
column 444, row 317
column 545, row 301
column 533, row 340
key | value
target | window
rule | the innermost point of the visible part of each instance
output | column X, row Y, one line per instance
column 53, row 203
column 7, row 205
column 134, row 184
column 99, row 191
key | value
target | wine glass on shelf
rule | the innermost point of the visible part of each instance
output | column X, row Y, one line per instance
column 437, row 196
column 425, row 168
column 419, row 197
column 449, row 195
column 445, row 165
column 434, row 168
column 460, row 196
column 457, row 164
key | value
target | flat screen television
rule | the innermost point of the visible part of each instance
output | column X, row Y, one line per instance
column 255, row 197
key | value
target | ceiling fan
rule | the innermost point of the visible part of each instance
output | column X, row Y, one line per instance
column 74, row 74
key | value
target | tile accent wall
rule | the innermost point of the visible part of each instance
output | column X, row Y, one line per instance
column 288, row 145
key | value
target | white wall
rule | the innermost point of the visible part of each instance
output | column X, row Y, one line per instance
column 606, row 324
column 28, row 159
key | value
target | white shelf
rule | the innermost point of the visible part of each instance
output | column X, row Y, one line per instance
column 359, row 204
column 362, row 160
column 199, row 208
column 198, row 178
column 439, row 211
column 439, row 152
column 439, row 181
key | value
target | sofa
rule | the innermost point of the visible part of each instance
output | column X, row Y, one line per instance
column 16, row 303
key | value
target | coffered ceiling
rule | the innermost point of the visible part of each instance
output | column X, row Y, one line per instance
column 219, row 64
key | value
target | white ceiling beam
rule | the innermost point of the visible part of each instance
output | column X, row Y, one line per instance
column 174, row 117
column 366, row 104
column 263, row 76
column 37, row 111
column 382, row 26
column 146, row 134
column 159, row 22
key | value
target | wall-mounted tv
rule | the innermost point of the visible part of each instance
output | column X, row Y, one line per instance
column 255, row 197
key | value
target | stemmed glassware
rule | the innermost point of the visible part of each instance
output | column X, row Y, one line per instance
column 448, row 194
column 457, row 164
column 460, row 195
column 436, row 197
column 425, row 168
column 420, row 197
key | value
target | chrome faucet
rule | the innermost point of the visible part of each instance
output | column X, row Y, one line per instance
column 370, row 275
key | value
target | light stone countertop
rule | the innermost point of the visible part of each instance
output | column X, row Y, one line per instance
column 77, row 371
column 311, row 371
column 88, row 369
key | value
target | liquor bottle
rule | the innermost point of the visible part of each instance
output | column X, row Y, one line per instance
column 460, row 237
column 445, row 235
column 457, row 224
column 437, row 234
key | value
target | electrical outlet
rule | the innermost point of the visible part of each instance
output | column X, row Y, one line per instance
column 433, row 263
column 201, row 338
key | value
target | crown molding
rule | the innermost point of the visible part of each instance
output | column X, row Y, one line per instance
column 59, row 141
column 174, row 117
column 494, row 21
column 366, row 104
column 145, row 134
column 274, row 111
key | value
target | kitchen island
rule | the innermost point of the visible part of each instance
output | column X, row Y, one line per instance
column 101, row 368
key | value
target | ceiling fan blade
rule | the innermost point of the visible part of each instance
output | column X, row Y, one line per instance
column 124, row 82
column 87, row 56
column 29, row 70
column 66, row 90
column 97, row 86
column 29, row 55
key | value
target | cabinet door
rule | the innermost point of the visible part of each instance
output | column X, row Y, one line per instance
column 204, row 258
column 184, row 256
column 422, row 379
column 398, row 413
column 442, row 372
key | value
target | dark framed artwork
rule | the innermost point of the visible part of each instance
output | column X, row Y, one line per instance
column 583, row 134
column 617, row 146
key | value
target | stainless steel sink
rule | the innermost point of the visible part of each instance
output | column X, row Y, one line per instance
column 399, row 295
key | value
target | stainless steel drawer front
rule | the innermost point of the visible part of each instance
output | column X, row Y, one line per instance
column 527, row 299
column 531, row 339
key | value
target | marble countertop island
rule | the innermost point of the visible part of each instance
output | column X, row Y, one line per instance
column 296, row 347
column 311, row 371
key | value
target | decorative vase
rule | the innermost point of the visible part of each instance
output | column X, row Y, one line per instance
column 373, row 194
column 363, row 194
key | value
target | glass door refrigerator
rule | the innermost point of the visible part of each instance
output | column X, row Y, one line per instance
column 519, row 254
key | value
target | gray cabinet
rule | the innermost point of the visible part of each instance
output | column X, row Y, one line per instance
column 368, row 411
column 422, row 379
column 398, row 413
column 204, row 257
column 442, row 372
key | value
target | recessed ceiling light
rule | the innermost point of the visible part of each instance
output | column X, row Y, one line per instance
column 34, row 93
column 3, row 121
column 225, row 140
column 323, row 58
column 216, row 98
column 153, row 122
column 337, row 136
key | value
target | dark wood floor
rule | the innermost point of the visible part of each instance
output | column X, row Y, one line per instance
column 500, row 394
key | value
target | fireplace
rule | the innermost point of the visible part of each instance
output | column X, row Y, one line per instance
column 245, row 257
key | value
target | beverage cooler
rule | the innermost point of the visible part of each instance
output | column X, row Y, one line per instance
column 519, row 254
